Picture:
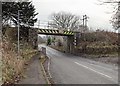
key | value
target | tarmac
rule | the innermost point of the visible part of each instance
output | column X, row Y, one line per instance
column 33, row 73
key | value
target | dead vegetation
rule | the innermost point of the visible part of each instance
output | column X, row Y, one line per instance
column 12, row 64
column 98, row 45
column 99, row 42
column 97, row 48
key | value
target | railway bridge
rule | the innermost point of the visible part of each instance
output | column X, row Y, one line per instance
column 72, row 37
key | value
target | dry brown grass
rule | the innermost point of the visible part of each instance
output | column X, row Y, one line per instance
column 13, row 66
column 97, row 48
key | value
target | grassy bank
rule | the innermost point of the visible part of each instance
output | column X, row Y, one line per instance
column 97, row 48
column 13, row 65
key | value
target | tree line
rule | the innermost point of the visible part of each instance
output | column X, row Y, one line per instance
column 10, row 13
column 27, row 16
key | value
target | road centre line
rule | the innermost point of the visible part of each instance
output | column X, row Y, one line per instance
column 92, row 69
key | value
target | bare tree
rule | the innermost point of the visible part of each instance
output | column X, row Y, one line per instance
column 116, row 16
column 64, row 20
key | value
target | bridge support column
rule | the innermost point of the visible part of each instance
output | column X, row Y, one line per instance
column 70, row 45
column 77, row 36
column 72, row 42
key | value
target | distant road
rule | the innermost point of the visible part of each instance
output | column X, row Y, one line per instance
column 70, row 69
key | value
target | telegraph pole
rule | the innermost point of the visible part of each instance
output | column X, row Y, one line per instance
column 85, row 19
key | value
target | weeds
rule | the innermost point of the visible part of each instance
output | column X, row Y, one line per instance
column 13, row 66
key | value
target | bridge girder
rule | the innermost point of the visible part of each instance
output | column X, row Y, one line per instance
column 55, row 32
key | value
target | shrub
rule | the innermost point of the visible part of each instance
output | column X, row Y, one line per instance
column 49, row 41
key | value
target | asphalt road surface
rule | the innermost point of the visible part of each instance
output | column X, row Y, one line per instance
column 70, row 69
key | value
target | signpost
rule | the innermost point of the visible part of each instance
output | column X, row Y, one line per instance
column 18, row 34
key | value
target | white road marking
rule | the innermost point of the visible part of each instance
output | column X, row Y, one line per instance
column 103, row 67
column 92, row 69
column 100, row 66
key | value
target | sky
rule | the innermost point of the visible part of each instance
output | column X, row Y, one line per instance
column 99, row 15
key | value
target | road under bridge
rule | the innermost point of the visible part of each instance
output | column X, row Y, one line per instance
column 72, row 37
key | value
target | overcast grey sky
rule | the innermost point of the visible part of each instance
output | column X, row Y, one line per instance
column 98, row 18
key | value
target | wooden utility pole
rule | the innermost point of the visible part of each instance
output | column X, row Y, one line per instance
column 85, row 19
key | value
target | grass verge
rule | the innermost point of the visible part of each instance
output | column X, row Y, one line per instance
column 13, row 66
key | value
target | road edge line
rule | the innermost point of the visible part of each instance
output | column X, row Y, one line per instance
column 93, row 70
column 49, row 67
column 44, row 72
